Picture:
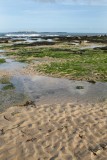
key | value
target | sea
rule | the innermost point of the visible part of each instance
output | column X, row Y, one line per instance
column 42, row 34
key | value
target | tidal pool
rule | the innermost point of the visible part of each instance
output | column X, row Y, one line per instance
column 92, row 46
column 47, row 90
column 1, row 51
column 11, row 64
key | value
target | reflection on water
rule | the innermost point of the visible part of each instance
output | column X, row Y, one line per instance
column 1, row 51
column 11, row 64
column 30, row 40
column 49, row 90
column 63, row 89
column 92, row 46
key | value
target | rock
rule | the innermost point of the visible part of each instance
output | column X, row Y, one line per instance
column 34, row 44
column 29, row 103
column 79, row 87
column 92, row 81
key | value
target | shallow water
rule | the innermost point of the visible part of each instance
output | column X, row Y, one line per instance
column 47, row 90
column 31, row 40
column 92, row 46
column 39, row 40
column 11, row 65
column 56, row 88
column 1, row 51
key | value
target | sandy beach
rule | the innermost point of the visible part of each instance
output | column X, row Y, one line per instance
column 54, row 132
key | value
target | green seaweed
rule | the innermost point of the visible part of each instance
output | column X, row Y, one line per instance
column 9, row 87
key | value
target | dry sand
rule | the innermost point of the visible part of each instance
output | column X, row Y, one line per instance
column 54, row 132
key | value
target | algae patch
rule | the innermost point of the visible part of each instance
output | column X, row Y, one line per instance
column 5, row 80
column 2, row 60
column 9, row 87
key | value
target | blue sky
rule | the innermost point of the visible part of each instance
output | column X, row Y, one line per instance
column 53, row 15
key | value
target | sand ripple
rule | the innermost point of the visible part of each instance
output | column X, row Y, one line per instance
column 49, row 132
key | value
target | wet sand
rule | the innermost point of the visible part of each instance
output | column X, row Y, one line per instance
column 54, row 132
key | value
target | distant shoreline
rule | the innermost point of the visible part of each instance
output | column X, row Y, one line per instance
column 7, row 34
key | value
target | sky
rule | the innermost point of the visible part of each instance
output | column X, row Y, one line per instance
column 76, row 16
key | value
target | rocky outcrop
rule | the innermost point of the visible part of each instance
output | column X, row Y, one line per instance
column 35, row 44
column 4, row 40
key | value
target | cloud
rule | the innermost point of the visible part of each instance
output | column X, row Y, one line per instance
column 45, row 1
column 74, row 2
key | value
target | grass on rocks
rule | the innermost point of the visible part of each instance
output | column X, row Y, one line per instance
column 9, row 87
column 2, row 60
column 91, row 65
column 5, row 80
column 87, row 64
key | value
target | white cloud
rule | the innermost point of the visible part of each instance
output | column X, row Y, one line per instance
column 74, row 2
